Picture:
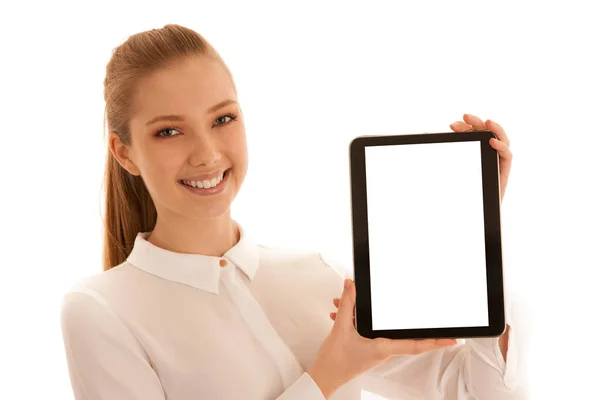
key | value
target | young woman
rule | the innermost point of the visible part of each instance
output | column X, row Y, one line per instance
column 188, row 306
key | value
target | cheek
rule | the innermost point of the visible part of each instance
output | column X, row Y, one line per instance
column 239, row 151
column 161, row 170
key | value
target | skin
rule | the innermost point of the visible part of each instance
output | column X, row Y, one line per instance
column 207, row 139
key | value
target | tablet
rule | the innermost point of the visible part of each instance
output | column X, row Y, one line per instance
column 426, row 236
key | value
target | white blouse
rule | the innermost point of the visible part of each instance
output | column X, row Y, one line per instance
column 165, row 325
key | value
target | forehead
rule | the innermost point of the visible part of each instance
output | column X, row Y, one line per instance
column 184, row 87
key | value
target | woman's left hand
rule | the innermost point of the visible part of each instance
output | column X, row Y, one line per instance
column 501, row 145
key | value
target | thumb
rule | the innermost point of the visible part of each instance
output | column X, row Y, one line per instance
column 345, row 312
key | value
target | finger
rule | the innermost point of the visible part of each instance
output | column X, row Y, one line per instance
column 421, row 346
column 498, row 130
column 460, row 126
column 401, row 347
column 336, row 303
column 345, row 311
column 505, row 156
column 475, row 122
column 332, row 315
column 502, row 149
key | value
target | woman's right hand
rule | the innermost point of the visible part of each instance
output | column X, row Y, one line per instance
column 345, row 354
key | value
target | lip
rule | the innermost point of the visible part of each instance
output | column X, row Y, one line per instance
column 211, row 191
column 206, row 177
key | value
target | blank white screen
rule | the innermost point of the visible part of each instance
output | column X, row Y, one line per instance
column 431, row 272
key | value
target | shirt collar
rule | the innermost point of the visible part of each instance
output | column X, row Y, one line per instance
column 196, row 270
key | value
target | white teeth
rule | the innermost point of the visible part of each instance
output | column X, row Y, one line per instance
column 205, row 184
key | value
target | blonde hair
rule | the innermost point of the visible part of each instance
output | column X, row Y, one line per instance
column 129, row 207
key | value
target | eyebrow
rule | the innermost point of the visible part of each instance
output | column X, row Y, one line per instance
column 212, row 109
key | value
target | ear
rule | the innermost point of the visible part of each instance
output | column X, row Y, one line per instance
column 122, row 153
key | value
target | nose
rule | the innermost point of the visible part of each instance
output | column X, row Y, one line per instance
column 204, row 150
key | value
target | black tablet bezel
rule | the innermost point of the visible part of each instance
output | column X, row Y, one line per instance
column 493, row 242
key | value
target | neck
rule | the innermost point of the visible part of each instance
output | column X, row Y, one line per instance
column 210, row 237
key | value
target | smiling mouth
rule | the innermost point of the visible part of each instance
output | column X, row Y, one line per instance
column 206, row 184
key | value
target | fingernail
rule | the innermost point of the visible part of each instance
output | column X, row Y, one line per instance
column 347, row 283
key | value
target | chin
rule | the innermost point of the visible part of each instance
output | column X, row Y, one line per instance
column 211, row 212
column 208, row 208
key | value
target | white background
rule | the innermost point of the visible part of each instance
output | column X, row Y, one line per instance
column 311, row 76
column 426, row 235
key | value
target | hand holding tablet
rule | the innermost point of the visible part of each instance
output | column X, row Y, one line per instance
column 344, row 354
column 426, row 231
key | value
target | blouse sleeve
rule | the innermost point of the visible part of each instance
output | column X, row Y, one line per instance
column 104, row 359
column 474, row 369
column 305, row 388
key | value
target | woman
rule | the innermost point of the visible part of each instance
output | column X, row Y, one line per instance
column 188, row 307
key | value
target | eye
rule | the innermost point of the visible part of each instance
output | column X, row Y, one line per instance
column 159, row 133
column 222, row 120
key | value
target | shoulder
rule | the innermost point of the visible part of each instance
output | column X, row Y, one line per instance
column 305, row 277
column 92, row 295
column 102, row 282
column 92, row 327
column 82, row 306
column 341, row 269
column 306, row 260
